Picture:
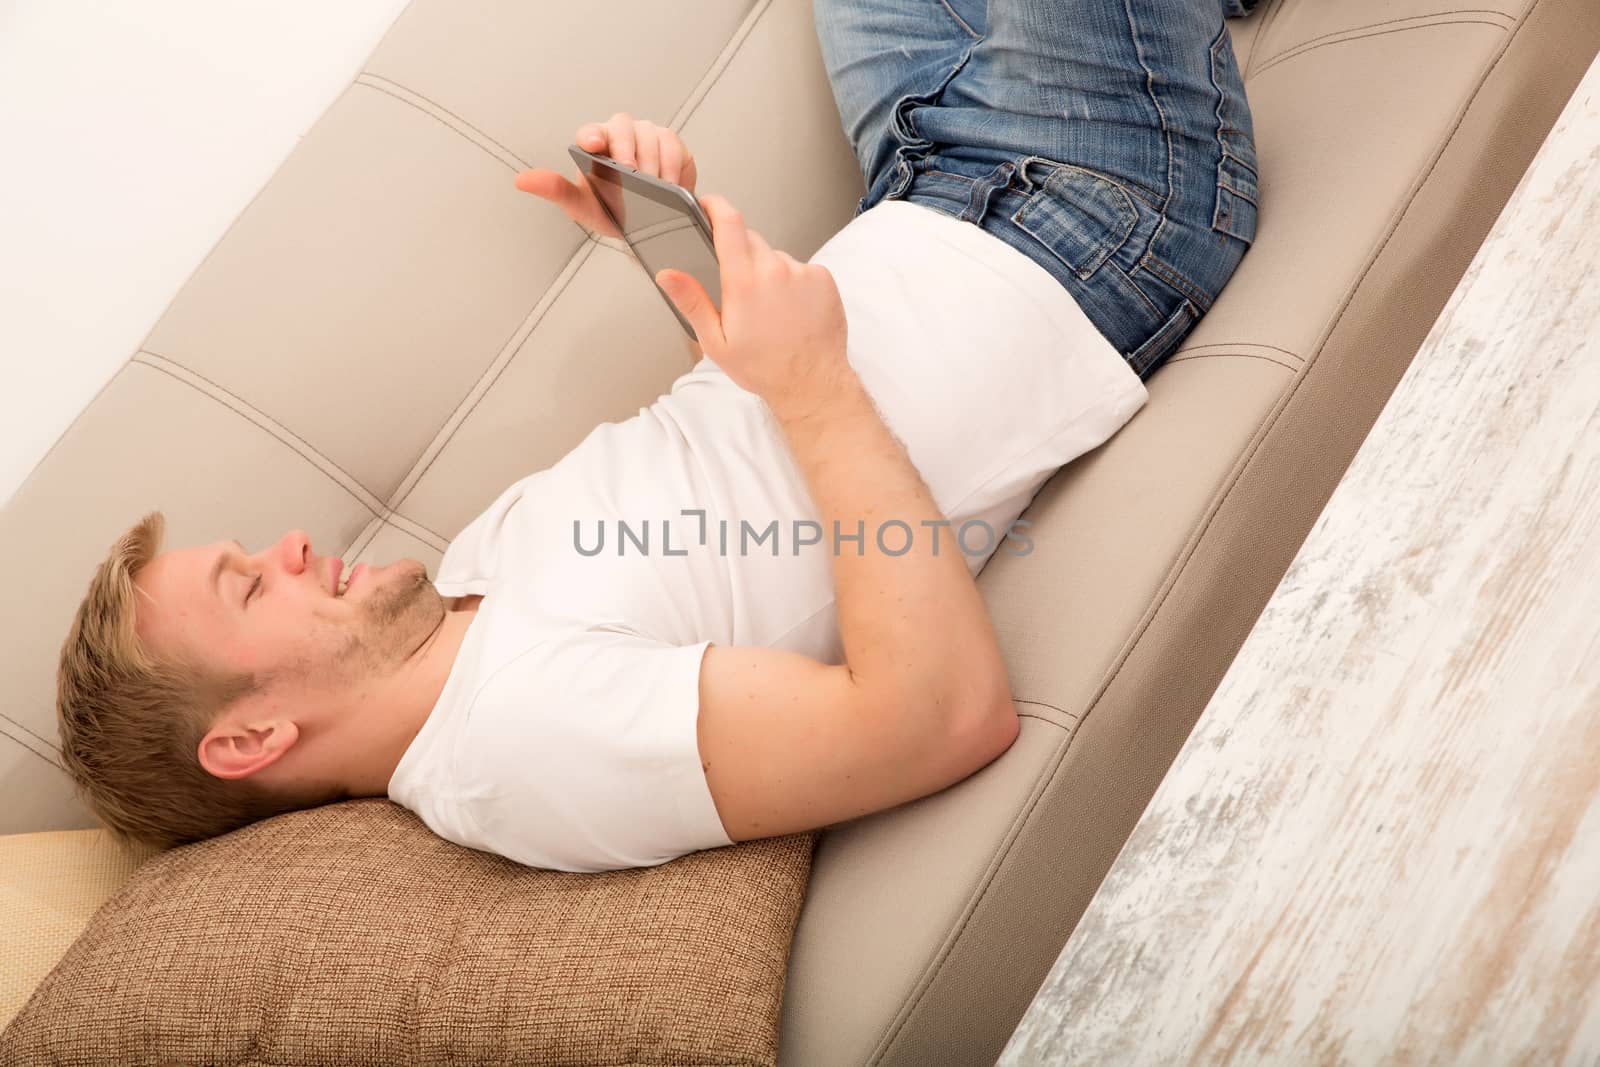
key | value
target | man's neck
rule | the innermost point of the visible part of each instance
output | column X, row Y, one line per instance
column 414, row 694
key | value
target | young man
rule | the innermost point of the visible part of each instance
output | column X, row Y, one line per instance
column 1056, row 193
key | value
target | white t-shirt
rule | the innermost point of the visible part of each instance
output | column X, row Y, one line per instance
column 564, row 737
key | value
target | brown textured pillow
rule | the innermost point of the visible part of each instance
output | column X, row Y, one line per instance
column 350, row 935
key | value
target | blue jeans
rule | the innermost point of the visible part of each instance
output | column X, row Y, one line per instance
column 1108, row 140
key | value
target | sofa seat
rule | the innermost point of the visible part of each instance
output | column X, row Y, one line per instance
column 472, row 335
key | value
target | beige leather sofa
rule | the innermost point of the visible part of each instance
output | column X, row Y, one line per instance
column 390, row 333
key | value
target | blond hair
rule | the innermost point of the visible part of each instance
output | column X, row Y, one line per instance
column 131, row 724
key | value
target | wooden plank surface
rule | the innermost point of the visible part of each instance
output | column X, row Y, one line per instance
column 1382, row 842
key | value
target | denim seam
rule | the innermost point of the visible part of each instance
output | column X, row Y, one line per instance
column 1224, row 212
column 1172, row 276
column 1242, row 195
column 1138, row 192
column 974, row 34
column 1166, row 131
column 1132, row 190
column 1244, row 164
column 1214, row 56
column 1170, row 333
column 1151, row 304
column 1239, row 192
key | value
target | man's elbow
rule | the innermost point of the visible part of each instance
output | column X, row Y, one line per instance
column 1007, row 724
column 990, row 724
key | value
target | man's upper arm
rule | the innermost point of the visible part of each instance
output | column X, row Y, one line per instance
column 789, row 743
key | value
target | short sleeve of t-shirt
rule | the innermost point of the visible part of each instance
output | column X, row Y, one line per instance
column 582, row 755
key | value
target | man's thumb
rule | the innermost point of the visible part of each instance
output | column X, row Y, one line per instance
column 690, row 297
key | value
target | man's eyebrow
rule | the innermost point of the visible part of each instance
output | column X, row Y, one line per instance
column 216, row 568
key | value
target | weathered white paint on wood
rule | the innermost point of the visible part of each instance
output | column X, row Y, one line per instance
column 1382, row 842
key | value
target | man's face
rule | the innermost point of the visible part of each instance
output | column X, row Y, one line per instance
column 277, row 612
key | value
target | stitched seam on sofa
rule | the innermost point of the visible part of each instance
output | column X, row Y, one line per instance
column 1258, row 44
column 1345, row 34
column 391, row 519
column 480, row 389
column 530, row 322
column 1269, row 420
column 713, row 74
column 1381, row 33
column 444, row 116
column 1264, row 427
column 239, row 406
column 26, row 728
column 1042, row 718
column 981, row 885
column 1243, row 344
column 446, row 430
column 1224, row 492
column 505, row 356
column 264, row 422
column 1410, row 199
column 223, row 236
column 1234, row 355
column 24, row 744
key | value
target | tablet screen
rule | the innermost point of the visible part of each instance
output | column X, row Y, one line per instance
column 658, row 226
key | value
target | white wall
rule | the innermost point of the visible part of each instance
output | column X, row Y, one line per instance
column 131, row 136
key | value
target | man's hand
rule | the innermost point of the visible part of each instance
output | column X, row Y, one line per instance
column 781, row 332
column 638, row 143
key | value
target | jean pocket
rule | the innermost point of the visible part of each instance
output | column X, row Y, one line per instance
column 1080, row 216
column 1238, row 189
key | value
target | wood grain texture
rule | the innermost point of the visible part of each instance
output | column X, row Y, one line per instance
column 1382, row 843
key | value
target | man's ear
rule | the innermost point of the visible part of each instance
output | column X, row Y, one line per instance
column 234, row 749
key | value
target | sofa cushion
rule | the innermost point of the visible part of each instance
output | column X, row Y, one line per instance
column 350, row 934
column 51, row 884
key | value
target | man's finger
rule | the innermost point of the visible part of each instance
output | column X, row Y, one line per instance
column 591, row 137
column 760, row 251
column 576, row 201
column 691, row 299
column 551, row 186
column 671, row 157
column 728, row 238
column 647, row 147
column 620, row 127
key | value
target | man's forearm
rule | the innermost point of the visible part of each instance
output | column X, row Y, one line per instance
column 912, row 625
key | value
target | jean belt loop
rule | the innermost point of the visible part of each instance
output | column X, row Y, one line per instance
column 1027, row 182
column 901, row 179
column 984, row 188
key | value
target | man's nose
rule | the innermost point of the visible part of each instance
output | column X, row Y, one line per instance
column 294, row 550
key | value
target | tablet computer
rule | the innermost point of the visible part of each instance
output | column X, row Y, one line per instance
column 661, row 222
